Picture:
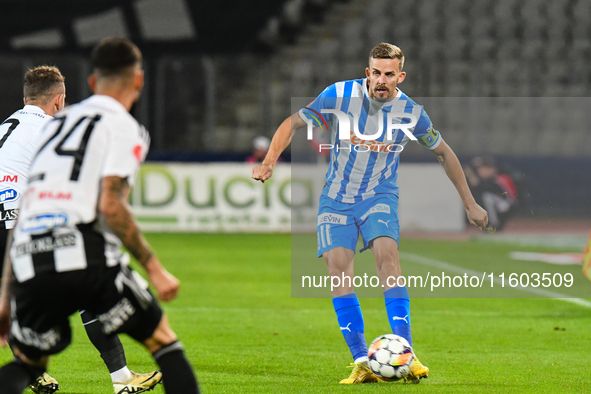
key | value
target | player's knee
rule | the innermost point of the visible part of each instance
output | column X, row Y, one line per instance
column 385, row 250
column 162, row 336
column 385, row 256
column 387, row 262
column 337, row 270
column 338, row 262
column 159, row 341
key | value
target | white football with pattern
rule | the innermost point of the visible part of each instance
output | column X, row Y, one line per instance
column 390, row 357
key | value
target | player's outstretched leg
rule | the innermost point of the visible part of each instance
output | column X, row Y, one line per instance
column 111, row 350
column 351, row 324
column 398, row 309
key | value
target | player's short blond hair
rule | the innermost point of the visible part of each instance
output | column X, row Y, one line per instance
column 43, row 83
column 387, row 51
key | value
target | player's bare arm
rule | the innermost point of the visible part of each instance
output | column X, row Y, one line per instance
column 448, row 159
column 281, row 140
column 113, row 205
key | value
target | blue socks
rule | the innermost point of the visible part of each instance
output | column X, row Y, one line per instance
column 351, row 323
column 351, row 320
column 398, row 309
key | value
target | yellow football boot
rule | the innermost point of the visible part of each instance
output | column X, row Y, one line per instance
column 417, row 372
column 361, row 374
column 138, row 383
column 45, row 384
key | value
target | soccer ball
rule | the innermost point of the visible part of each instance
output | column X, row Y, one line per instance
column 390, row 357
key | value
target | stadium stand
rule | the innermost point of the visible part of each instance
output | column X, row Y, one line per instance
column 242, row 78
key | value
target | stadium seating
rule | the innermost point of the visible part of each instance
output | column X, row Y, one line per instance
column 459, row 48
column 454, row 48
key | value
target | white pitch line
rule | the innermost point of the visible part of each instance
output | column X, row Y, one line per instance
column 550, row 258
column 459, row 270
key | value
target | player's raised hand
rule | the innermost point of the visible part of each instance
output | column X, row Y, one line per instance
column 262, row 172
column 477, row 216
column 167, row 286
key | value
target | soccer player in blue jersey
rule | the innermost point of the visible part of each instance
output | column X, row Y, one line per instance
column 361, row 190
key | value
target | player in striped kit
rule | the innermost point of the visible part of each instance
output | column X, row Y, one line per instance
column 361, row 193
column 44, row 94
column 73, row 218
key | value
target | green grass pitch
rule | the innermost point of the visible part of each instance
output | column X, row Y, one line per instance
column 244, row 333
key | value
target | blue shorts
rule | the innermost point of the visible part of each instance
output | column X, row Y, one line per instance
column 340, row 224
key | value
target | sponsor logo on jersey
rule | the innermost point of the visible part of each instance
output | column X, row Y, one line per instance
column 374, row 146
column 8, row 195
column 383, row 208
column 116, row 316
column 41, row 223
column 26, row 336
column 344, row 123
column 46, row 244
column 50, row 195
column 9, row 214
column 332, row 219
column 9, row 178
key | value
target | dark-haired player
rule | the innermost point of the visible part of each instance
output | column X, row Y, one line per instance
column 74, row 216
column 44, row 94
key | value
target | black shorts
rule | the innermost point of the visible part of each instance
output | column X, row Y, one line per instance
column 115, row 296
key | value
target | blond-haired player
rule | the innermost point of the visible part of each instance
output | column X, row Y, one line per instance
column 361, row 194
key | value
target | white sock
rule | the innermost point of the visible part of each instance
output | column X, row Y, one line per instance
column 363, row 360
column 121, row 376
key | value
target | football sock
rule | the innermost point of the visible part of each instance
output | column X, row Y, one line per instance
column 121, row 376
column 351, row 324
column 16, row 376
column 109, row 347
column 398, row 309
column 177, row 374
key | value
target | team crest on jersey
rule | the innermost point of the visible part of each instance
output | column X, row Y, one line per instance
column 7, row 195
column 42, row 223
column 383, row 208
column 331, row 218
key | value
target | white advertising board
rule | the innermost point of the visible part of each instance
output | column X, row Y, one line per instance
column 224, row 198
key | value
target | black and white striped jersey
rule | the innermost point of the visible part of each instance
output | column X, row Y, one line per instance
column 59, row 228
column 19, row 140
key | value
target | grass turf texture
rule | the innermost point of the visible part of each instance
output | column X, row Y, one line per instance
column 244, row 334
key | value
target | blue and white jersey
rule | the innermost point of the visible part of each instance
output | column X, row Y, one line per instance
column 360, row 169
